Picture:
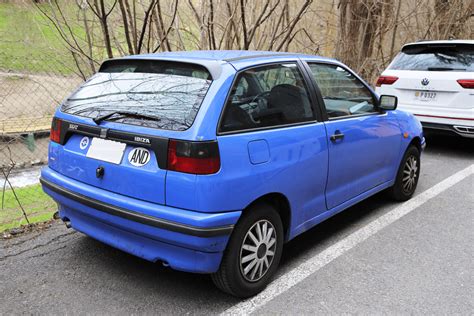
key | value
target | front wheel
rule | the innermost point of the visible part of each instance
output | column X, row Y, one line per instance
column 253, row 253
column 407, row 175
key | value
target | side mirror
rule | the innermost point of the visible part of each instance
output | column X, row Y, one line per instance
column 388, row 102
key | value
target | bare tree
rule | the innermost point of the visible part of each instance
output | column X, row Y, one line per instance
column 365, row 34
column 98, row 8
column 452, row 16
column 144, row 25
column 361, row 24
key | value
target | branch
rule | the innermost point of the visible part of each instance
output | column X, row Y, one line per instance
column 293, row 23
column 126, row 28
column 145, row 24
column 244, row 24
column 262, row 18
column 12, row 189
column 165, row 36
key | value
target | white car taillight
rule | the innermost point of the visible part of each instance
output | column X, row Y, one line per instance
column 386, row 80
column 466, row 83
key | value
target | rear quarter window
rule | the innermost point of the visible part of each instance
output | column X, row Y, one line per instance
column 168, row 91
column 435, row 58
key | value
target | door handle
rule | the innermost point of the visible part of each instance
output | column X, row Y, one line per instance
column 337, row 135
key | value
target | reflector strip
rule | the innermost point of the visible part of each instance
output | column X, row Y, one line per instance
column 446, row 117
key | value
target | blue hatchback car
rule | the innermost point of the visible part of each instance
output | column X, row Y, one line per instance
column 209, row 161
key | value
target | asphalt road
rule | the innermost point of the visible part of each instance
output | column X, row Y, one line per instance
column 422, row 263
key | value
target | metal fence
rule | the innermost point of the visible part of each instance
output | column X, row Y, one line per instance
column 29, row 94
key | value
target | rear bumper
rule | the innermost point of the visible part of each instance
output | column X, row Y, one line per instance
column 465, row 131
column 458, row 121
column 186, row 240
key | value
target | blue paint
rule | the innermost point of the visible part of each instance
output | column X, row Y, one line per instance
column 259, row 152
column 317, row 177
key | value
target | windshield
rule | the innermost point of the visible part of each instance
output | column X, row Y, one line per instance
column 170, row 93
column 435, row 58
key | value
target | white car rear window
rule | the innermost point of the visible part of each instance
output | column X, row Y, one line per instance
column 435, row 57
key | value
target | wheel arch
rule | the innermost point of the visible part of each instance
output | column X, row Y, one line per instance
column 281, row 204
column 416, row 141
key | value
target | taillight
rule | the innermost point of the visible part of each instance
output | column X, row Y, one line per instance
column 386, row 80
column 466, row 83
column 55, row 134
column 193, row 157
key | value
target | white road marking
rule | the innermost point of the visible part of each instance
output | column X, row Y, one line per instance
column 305, row 269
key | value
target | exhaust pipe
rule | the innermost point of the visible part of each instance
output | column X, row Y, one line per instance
column 67, row 222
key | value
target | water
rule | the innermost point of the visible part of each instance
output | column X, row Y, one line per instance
column 23, row 177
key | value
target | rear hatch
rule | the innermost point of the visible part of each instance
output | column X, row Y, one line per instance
column 101, row 139
column 428, row 74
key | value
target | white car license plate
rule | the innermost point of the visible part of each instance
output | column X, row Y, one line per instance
column 106, row 150
column 425, row 95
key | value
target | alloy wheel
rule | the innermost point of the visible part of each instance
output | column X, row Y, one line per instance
column 410, row 173
column 258, row 250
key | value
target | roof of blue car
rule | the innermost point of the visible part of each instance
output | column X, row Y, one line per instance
column 223, row 55
column 213, row 59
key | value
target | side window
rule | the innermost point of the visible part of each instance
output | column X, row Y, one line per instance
column 241, row 90
column 267, row 96
column 343, row 94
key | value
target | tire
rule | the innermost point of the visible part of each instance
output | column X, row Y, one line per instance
column 241, row 279
column 407, row 175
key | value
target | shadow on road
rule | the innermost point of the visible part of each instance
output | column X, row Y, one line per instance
column 338, row 226
column 322, row 235
column 158, row 285
column 449, row 145
column 163, row 287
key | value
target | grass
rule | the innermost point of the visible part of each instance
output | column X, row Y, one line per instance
column 38, row 206
column 28, row 42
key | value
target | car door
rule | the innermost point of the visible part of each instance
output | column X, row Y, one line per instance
column 363, row 142
column 271, row 141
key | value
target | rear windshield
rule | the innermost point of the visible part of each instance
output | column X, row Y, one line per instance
column 435, row 58
column 167, row 94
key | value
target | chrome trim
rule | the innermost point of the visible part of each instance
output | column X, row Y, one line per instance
column 464, row 129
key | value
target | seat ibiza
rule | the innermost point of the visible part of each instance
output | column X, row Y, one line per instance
column 210, row 161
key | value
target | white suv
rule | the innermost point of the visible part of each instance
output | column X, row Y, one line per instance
column 434, row 80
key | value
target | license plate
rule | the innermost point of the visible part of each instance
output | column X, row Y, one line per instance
column 106, row 150
column 425, row 95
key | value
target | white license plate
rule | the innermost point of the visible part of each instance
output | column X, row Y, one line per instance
column 425, row 95
column 106, row 150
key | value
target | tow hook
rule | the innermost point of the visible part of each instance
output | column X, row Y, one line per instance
column 99, row 172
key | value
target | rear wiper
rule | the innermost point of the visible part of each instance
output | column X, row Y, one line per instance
column 444, row 68
column 99, row 119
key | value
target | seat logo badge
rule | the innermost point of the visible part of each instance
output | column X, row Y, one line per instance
column 139, row 156
column 425, row 81
column 103, row 132
column 84, row 142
